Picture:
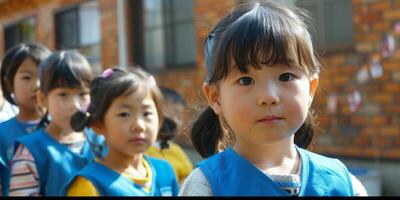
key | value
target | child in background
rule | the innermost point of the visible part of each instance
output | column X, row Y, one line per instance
column 46, row 159
column 262, row 74
column 7, row 110
column 19, row 84
column 165, row 149
column 126, row 109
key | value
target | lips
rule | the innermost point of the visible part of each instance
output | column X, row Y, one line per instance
column 137, row 140
column 270, row 119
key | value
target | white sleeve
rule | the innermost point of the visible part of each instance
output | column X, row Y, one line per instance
column 358, row 187
column 196, row 184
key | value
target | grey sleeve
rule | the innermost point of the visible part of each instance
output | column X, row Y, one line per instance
column 196, row 184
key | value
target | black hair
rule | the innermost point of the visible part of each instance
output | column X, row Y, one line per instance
column 169, row 128
column 252, row 35
column 63, row 69
column 115, row 82
column 167, row 132
column 13, row 59
column 173, row 96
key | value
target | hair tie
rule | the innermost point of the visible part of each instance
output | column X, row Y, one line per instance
column 107, row 73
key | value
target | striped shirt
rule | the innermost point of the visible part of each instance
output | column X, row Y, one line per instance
column 24, row 174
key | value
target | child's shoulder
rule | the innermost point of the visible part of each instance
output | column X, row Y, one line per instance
column 321, row 160
column 158, row 163
column 34, row 136
column 6, row 125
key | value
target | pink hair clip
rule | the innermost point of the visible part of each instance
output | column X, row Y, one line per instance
column 107, row 73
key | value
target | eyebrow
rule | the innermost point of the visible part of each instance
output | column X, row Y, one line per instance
column 127, row 106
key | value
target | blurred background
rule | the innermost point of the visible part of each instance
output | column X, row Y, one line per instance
column 358, row 41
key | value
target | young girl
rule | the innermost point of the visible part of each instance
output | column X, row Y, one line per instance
column 126, row 109
column 19, row 83
column 165, row 149
column 46, row 159
column 262, row 77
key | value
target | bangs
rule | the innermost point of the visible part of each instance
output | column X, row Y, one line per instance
column 70, row 76
column 262, row 37
column 69, row 71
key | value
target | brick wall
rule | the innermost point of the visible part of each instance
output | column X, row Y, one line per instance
column 372, row 131
column 12, row 11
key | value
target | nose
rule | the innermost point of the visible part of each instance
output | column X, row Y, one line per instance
column 138, row 125
column 269, row 95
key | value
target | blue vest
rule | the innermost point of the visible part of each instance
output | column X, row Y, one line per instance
column 110, row 183
column 10, row 130
column 229, row 174
column 55, row 163
column 2, row 165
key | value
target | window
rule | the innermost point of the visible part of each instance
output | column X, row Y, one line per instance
column 332, row 26
column 168, row 34
column 79, row 28
column 23, row 31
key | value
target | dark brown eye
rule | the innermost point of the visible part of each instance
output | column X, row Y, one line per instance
column 286, row 77
column 246, row 81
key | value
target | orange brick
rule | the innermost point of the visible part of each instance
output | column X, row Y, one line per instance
column 341, row 79
column 380, row 6
column 383, row 98
column 379, row 120
column 372, row 17
column 390, row 131
column 391, row 15
column 391, row 88
column 383, row 142
column 392, row 109
column 381, row 26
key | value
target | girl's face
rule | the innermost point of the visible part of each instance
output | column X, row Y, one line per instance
column 62, row 103
column 264, row 106
column 26, row 83
column 130, row 124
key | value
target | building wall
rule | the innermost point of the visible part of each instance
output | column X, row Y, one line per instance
column 44, row 11
column 372, row 131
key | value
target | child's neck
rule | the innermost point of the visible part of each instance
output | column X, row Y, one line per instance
column 61, row 135
column 272, row 158
column 28, row 114
column 132, row 166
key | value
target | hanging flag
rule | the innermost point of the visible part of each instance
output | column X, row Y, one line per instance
column 354, row 101
column 376, row 69
column 397, row 27
column 332, row 101
column 362, row 75
column 388, row 46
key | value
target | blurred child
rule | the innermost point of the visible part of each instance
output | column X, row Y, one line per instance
column 7, row 110
column 46, row 159
column 163, row 148
column 262, row 75
column 19, row 84
column 126, row 109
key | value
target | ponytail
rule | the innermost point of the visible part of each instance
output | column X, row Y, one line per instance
column 167, row 132
column 80, row 120
column 207, row 133
column 303, row 137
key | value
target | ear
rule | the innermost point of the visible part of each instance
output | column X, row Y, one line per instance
column 313, row 88
column 42, row 100
column 211, row 93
